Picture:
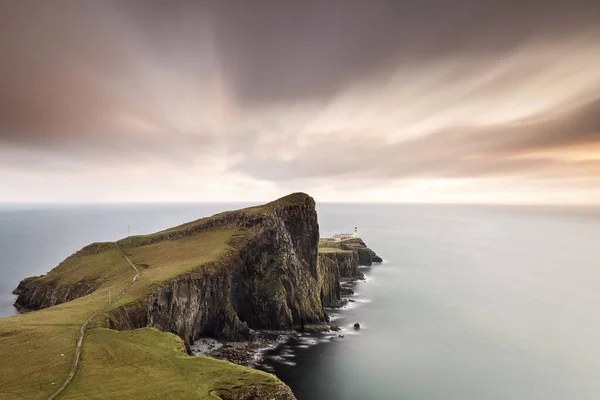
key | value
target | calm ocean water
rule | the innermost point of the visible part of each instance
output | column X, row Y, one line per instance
column 472, row 302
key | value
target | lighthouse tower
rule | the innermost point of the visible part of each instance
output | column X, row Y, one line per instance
column 356, row 231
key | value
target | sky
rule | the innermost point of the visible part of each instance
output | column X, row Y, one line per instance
column 468, row 101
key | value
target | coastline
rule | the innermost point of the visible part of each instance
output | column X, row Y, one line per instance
column 251, row 353
column 248, row 353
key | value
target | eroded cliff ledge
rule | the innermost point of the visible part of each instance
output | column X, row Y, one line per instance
column 340, row 260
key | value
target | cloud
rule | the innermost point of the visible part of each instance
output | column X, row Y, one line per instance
column 289, row 50
column 567, row 143
column 76, row 74
column 296, row 93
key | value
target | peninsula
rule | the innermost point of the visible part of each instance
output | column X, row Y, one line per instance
column 134, row 307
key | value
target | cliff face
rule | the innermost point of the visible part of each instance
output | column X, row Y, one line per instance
column 340, row 261
column 347, row 262
column 191, row 306
column 45, row 291
column 365, row 255
column 330, row 281
column 34, row 294
column 270, row 281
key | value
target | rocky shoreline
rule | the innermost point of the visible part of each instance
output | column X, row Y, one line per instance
column 248, row 353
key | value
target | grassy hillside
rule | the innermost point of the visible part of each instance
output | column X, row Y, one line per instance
column 148, row 364
column 37, row 348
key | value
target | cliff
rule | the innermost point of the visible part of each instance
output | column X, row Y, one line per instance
column 34, row 294
column 266, row 275
column 65, row 283
column 341, row 261
column 365, row 255
column 346, row 260
column 329, row 282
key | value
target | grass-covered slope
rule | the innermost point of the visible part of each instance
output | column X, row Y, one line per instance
column 37, row 350
column 273, row 245
column 148, row 364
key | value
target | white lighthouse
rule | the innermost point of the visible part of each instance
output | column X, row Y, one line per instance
column 356, row 231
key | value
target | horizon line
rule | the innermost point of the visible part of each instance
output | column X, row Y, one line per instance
column 258, row 202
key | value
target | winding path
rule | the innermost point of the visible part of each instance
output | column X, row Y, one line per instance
column 83, row 328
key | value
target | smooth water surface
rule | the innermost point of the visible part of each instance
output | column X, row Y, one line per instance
column 472, row 302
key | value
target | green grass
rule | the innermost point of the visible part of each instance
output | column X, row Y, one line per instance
column 333, row 250
column 329, row 244
column 98, row 267
column 148, row 364
column 32, row 366
column 32, row 344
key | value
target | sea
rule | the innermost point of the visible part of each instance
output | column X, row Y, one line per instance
column 471, row 301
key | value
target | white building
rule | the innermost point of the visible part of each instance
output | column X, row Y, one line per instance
column 342, row 236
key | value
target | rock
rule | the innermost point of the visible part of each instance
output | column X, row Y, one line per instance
column 261, row 392
column 346, row 291
column 351, row 301
column 347, row 262
column 334, row 328
column 365, row 255
column 340, row 261
column 356, row 325
column 329, row 281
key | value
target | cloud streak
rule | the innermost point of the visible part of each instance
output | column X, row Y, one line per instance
column 283, row 93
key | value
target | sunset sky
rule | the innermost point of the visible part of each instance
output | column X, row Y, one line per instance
column 470, row 101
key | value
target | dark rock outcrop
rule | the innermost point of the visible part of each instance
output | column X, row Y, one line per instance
column 365, row 255
column 346, row 291
column 340, row 261
column 260, row 392
column 45, row 291
column 329, row 281
column 34, row 293
column 347, row 262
